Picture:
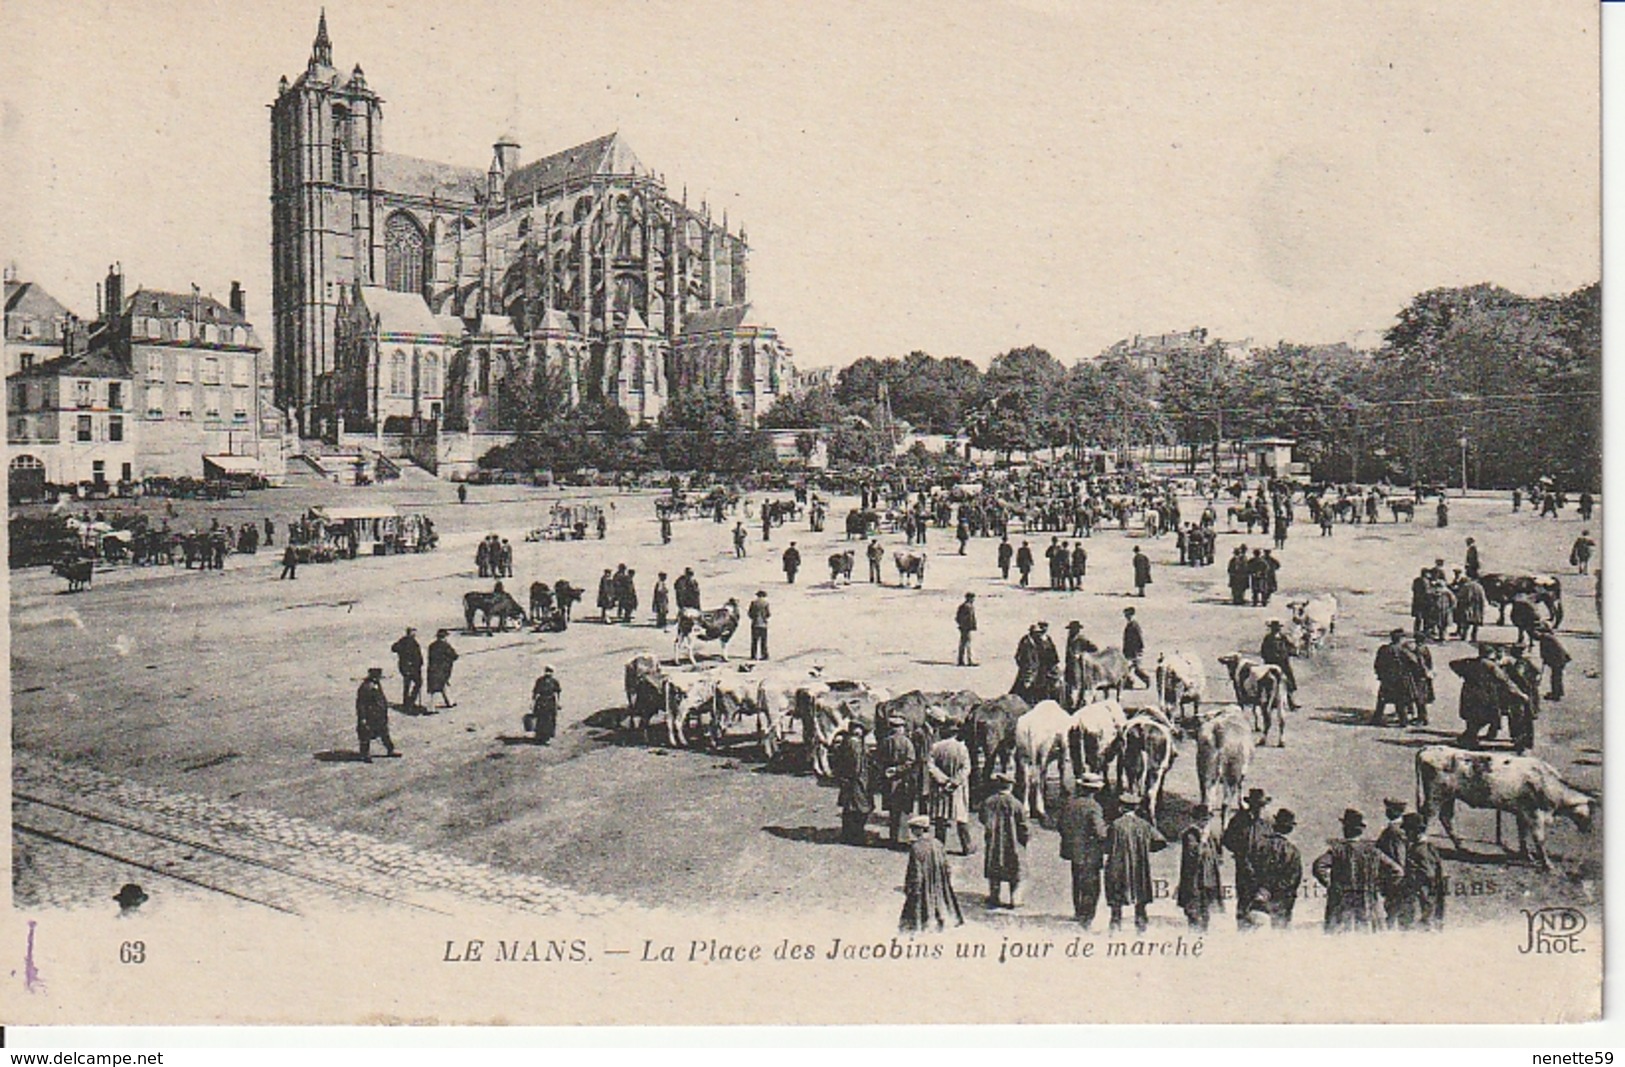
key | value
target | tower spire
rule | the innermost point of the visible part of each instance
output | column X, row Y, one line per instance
column 321, row 53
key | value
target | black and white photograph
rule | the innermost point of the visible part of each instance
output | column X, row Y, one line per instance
column 730, row 513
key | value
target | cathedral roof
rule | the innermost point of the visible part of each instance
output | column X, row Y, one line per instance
column 603, row 155
column 717, row 320
column 403, row 312
column 396, row 173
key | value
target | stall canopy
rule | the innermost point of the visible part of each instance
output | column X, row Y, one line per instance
column 228, row 466
column 350, row 514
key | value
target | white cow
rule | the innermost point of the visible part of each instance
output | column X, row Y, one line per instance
column 1148, row 752
column 687, row 692
column 1180, row 680
column 1041, row 736
column 910, row 565
column 1096, row 736
column 1313, row 621
column 1529, row 788
column 1224, row 755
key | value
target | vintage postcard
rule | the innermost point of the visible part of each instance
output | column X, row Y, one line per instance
column 628, row 513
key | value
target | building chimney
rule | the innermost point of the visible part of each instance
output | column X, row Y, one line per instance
column 237, row 303
column 506, row 152
column 114, row 291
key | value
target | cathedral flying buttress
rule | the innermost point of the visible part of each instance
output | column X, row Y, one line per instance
column 577, row 269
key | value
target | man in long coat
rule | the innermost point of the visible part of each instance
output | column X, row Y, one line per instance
column 606, row 594
column 1352, row 871
column 1200, row 886
column 686, row 590
column 372, row 714
column 1005, row 830
column 1239, row 576
column 850, row 760
column 1027, row 664
column 441, row 658
column 544, row 706
column 1396, row 683
column 1424, row 885
column 1130, row 840
column 1277, row 868
column 1391, row 843
column 1240, row 838
column 1486, row 692
column 1142, row 571
column 1470, row 606
column 898, row 780
column 409, row 660
column 1024, row 563
column 949, row 769
column 1082, row 827
column 928, row 888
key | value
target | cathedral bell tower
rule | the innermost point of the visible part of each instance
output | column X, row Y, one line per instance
column 326, row 135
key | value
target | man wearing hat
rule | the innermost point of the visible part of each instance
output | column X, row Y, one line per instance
column 1395, row 680
column 1391, row 843
column 544, row 706
column 949, row 768
column 792, row 563
column 1486, row 691
column 965, row 619
column 1028, row 663
column 1200, row 886
column 1352, row 871
column 1277, row 868
column 372, row 714
column 1276, row 649
column 1553, row 657
column 1134, row 645
column 1240, row 837
column 850, row 761
column 441, row 657
column 1082, row 826
column 1425, row 885
column 759, row 613
column 1005, row 834
column 1130, row 840
column 928, row 888
column 898, row 781
column 1142, row 571
column 409, row 658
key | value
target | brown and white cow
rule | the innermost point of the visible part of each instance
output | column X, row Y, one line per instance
column 1096, row 676
column 694, row 625
column 1095, row 736
column 1527, row 787
column 645, row 689
column 1180, row 680
column 1313, row 621
column 1148, row 753
column 910, row 565
column 1224, row 755
column 1261, row 687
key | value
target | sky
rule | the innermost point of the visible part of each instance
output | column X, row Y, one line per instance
column 960, row 178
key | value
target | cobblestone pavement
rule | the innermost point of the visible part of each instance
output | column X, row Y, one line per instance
column 79, row 834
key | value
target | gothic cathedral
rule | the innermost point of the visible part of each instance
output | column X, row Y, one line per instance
column 408, row 292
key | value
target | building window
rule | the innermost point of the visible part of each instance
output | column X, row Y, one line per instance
column 155, row 367
column 211, row 369
column 155, row 401
column 398, row 384
column 27, row 361
column 239, row 405
column 183, row 330
column 115, row 427
column 19, row 396
column 85, row 430
column 485, row 372
column 211, row 403
column 431, row 374
column 83, row 394
column 406, row 255
column 183, row 405
column 211, row 333
column 28, row 328
column 183, row 370
column 240, row 371
column 115, row 395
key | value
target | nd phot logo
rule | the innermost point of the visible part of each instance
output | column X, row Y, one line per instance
column 1553, row 931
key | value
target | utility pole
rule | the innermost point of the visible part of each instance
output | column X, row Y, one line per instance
column 1463, row 443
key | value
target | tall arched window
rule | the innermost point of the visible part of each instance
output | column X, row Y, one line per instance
column 341, row 123
column 398, row 382
column 406, row 255
column 430, row 374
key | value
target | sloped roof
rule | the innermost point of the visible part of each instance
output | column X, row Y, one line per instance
column 714, row 320
column 496, row 324
column 556, row 321
column 156, row 303
column 603, row 155
column 97, row 363
column 396, row 173
column 402, row 312
column 29, row 299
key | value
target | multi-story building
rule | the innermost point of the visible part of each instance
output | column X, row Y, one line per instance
column 38, row 327
column 68, row 421
column 606, row 281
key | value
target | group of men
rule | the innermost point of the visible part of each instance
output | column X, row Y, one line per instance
column 494, row 557
column 618, row 594
column 1196, row 544
column 1396, row 881
column 1258, row 575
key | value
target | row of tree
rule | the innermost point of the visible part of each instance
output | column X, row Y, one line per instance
column 1511, row 382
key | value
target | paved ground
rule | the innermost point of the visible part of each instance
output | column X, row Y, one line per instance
column 234, row 688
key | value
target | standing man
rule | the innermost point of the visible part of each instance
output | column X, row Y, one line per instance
column 660, row 600
column 544, row 706
column 1082, row 826
column 1134, row 645
column 606, row 594
column 1553, row 656
column 1473, row 564
column 875, row 555
column 1277, row 870
column 1024, row 563
column 1258, row 573
column 1580, row 554
column 409, row 659
column 270, row 533
column 739, row 540
column 1276, row 649
column 665, row 527
column 1238, row 574
column 372, row 714
column 441, row 658
column 1006, row 554
column 898, row 780
column 965, row 618
column 290, row 564
column 1142, row 571
column 1005, row 829
column 1470, row 606
column 1395, row 681
column 792, row 563
column 928, row 888
column 462, row 493
column 1240, row 838
column 687, row 590
column 1391, row 843
column 626, row 595
column 1201, row 889
column 1130, row 840
column 1587, row 503
column 949, row 768
column 850, row 761
column 1425, row 884
column 1352, row 870
column 759, row 613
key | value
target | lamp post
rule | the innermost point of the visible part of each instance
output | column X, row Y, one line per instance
column 1462, row 441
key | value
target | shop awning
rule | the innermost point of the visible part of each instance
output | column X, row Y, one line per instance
column 230, row 465
column 342, row 514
